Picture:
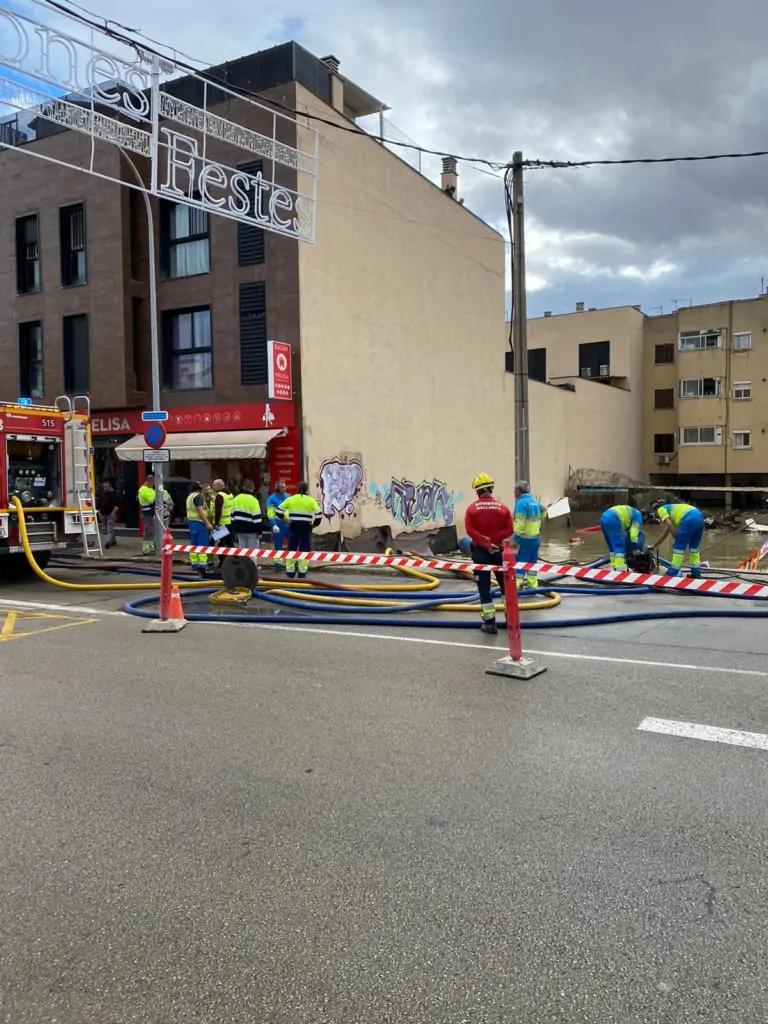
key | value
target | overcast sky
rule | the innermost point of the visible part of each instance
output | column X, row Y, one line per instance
column 558, row 79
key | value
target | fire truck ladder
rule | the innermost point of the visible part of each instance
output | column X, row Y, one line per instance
column 77, row 461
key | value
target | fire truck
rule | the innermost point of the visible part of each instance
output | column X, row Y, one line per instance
column 46, row 461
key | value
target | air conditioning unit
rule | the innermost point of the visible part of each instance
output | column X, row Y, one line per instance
column 605, row 371
column 586, row 371
column 665, row 459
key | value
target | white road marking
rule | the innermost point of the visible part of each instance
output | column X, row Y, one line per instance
column 340, row 632
column 712, row 733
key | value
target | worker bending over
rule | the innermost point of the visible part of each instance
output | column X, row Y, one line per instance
column 199, row 524
column 302, row 513
column 488, row 524
column 528, row 515
column 622, row 527
column 246, row 517
column 685, row 524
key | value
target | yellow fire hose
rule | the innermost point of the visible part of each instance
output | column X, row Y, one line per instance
column 278, row 587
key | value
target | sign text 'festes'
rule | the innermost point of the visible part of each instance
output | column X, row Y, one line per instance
column 124, row 100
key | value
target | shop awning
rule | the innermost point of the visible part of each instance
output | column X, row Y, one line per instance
column 220, row 444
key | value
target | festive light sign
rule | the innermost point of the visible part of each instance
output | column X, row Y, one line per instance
column 242, row 169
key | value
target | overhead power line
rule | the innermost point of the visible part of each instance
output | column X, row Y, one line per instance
column 541, row 164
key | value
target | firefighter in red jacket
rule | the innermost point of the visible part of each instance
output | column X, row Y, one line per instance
column 488, row 524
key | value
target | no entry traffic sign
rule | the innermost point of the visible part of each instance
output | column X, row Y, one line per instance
column 155, row 435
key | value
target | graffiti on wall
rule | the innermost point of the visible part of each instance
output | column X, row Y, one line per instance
column 413, row 505
column 340, row 482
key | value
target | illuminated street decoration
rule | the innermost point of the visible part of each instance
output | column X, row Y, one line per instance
column 196, row 155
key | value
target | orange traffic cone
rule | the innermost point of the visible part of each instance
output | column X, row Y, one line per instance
column 176, row 611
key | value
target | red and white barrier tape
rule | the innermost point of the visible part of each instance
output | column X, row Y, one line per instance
column 641, row 579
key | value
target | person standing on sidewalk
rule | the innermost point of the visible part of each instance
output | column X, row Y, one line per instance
column 488, row 524
column 246, row 517
column 199, row 525
column 528, row 516
column 277, row 526
column 302, row 513
column 109, row 502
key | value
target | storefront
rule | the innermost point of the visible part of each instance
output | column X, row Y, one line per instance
column 258, row 441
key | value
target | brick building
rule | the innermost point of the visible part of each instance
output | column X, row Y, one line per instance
column 378, row 313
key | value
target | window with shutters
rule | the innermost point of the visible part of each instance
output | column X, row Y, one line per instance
column 72, row 244
column 27, row 255
column 664, row 398
column 250, row 240
column 253, row 333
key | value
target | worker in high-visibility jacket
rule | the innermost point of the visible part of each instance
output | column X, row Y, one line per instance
column 527, row 519
column 146, row 499
column 622, row 527
column 302, row 513
column 246, row 517
column 685, row 524
column 277, row 526
column 199, row 525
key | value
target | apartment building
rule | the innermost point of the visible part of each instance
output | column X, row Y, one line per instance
column 585, row 395
column 392, row 316
column 705, row 398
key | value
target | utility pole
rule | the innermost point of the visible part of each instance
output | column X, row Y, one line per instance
column 520, row 324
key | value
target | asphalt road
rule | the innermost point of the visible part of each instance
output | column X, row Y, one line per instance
column 239, row 825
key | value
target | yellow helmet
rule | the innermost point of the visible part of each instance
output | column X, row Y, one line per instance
column 481, row 481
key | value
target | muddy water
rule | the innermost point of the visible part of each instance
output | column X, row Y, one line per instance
column 723, row 548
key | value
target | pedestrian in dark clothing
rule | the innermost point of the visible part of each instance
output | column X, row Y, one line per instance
column 107, row 506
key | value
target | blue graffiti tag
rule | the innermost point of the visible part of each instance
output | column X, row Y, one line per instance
column 414, row 505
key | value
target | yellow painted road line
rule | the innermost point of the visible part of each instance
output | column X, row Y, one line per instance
column 14, row 621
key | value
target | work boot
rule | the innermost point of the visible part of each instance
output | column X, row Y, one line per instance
column 672, row 570
column 489, row 626
column 695, row 573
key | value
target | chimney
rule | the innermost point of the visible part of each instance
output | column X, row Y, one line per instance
column 579, row 307
column 547, row 312
column 337, row 86
column 449, row 179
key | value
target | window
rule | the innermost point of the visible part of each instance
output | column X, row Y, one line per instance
column 27, row 255
column 76, row 357
column 664, row 398
column 665, row 354
column 741, row 342
column 184, row 240
column 72, row 243
column 137, row 314
column 31, row 359
column 742, row 389
column 701, row 435
column 742, row 439
column 663, row 444
column 595, row 359
column 250, row 240
column 537, row 364
column 253, row 333
column 188, row 362
column 134, row 231
column 705, row 387
column 692, row 341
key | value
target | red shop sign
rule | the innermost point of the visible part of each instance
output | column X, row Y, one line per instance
column 284, row 460
column 280, row 378
column 253, row 416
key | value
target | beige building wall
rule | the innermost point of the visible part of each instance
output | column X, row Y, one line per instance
column 566, row 433
column 405, row 398
column 739, row 407
column 599, row 425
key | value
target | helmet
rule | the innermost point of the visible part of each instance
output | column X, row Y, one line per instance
column 465, row 546
column 481, row 482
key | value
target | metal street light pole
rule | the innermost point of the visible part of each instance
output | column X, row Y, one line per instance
column 520, row 324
